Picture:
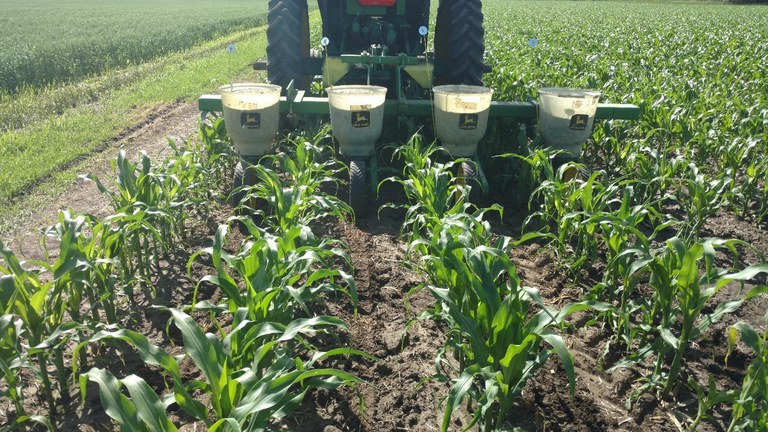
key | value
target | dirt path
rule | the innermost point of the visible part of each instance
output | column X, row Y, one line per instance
column 157, row 124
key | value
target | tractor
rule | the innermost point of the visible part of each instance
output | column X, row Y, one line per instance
column 394, row 29
column 375, row 42
column 378, row 51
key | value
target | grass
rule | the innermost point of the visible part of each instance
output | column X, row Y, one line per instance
column 47, row 42
column 41, row 159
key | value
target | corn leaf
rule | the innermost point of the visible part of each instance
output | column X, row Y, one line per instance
column 115, row 403
column 148, row 406
column 556, row 341
column 458, row 392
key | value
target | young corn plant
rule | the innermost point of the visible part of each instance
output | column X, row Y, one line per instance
column 497, row 339
column 431, row 188
column 28, row 296
column 707, row 397
column 750, row 407
column 151, row 355
column 568, row 211
column 620, row 278
column 144, row 411
column 294, row 185
column 85, row 272
column 536, row 167
column 738, row 160
column 192, row 181
column 253, row 375
column 289, row 204
column 703, row 198
column 149, row 210
column 309, row 162
column 654, row 171
column 277, row 274
column 13, row 359
column 219, row 157
column 617, row 232
column 684, row 279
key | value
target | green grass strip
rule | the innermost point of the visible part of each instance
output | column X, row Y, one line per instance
column 31, row 158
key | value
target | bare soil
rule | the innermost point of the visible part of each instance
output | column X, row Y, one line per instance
column 399, row 393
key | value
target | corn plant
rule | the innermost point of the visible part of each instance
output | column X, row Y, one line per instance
column 191, row 181
column 253, row 375
column 536, row 166
column 289, row 204
column 276, row 273
column 27, row 296
column 703, row 198
column 293, row 185
column 142, row 412
column 296, row 184
column 219, row 155
column 85, row 272
column 496, row 339
column 494, row 335
column 13, row 359
column 254, row 395
column 309, row 162
column 707, row 397
column 431, row 188
column 500, row 343
column 149, row 353
column 568, row 213
column 655, row 170
column 750, row 407
column 684, row 280
column 149, row 209
column 618, row 231
column 737, row 160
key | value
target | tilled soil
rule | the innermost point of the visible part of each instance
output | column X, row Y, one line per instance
column 399, row 393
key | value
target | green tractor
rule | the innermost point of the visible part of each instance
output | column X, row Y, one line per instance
column 380, row 43
column 375, row 74
column 377, row 28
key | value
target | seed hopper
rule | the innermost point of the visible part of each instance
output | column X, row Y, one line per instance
column 374, row 75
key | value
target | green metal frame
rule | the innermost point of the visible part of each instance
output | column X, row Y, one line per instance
column 524, row 111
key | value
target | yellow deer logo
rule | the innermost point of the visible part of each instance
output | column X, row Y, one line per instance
column 250, row 120
column 468, row 121
column 579, row 122
column 361, row 119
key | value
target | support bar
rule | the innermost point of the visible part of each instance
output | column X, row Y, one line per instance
column 423, row 108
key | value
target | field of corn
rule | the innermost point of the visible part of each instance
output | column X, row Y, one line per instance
column 630, row 298
column 48, row 42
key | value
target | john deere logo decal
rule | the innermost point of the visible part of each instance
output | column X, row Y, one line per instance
column 361, row 119
column 579, row 122
column 250, row 120
column 468, row 121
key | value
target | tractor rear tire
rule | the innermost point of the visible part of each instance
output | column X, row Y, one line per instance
column 459, row 42
column 287, row 42
column 358, row 189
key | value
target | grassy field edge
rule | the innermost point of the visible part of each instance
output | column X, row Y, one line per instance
column 31, row 158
